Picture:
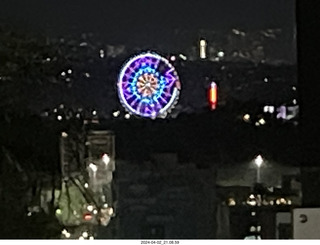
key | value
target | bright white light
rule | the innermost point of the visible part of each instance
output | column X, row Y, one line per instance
column 294, row 101
column 86, row 185
column 93, row 167
column 105, row 159
column 253, row 213
column 258, row 161
column 289, row 202
column 91, row 238
column 294, row 88
column 48, row 59
column 257, row 124
column 173, row 58
column 252, row 229
column 29, row 214
column 231, row 202
column 116, row 113
column 246, row 117
column 95, row 211
column 183, row 56
column 271, row 109
column 81, row 238
column 101, row 53
column 262, row 121
column 63, row 73
column 87, row 74
column 64, row 134
column 105, row 205
column 266, row 80
column 252, row 202
column 258, row 228
column 58, row 211
column 90, row 208
column 85, row 234
column 127, row 116
column 94, row 112
column 203, row 46
column 59, row 118
column 64, row 231
column 67, row 235
column 221, row 54
column 110, row 211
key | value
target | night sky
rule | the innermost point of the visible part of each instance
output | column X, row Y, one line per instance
column 144, row 21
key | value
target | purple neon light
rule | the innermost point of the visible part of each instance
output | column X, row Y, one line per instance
column 148, row 85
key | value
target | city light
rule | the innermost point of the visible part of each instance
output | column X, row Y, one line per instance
column 116, row 113
column 90, row 208
column 213, row 97
column 105, row 159
column 86, row 185
column 268, row 108
column 231, row 202
column 203, row 47
column 87, row 217
column 252, row 200
column 221, row 54
column 110, row 211
column 258, row 161
column 183, row 57
column 64, row 134
column 93, row 167
column 101, row 53
column 127, row 116
column 246, row 117
column 85, row 234
column 262, row 121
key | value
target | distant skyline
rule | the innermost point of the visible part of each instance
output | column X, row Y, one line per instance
column 143, row 21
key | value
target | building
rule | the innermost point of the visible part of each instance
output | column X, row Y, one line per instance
column 165, row 199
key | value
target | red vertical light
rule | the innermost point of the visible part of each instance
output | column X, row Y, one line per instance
column 213, row 96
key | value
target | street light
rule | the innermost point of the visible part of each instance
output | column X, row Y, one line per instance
column 258, row 161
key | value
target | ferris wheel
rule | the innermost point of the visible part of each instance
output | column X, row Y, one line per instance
column 148, row 86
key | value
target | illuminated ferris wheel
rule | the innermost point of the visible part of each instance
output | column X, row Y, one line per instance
column 148, row 85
